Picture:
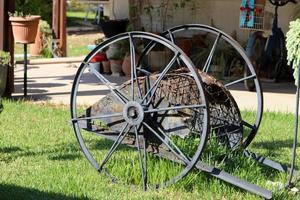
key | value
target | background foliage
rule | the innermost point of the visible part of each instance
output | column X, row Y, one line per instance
column 36, row 7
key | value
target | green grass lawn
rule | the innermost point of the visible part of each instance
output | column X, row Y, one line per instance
column 40, row 159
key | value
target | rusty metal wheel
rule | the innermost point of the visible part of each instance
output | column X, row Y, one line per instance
column 159, row 110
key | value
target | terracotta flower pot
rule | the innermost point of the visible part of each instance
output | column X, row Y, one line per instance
column 116, row 67
column 126, row 65
column 37, row 47
column 24, row 28
column 106, row 67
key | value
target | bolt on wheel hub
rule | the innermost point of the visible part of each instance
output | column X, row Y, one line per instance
column 133, row 113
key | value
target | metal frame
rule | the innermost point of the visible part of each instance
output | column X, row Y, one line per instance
column 220, row 174
column 139, row 111
column 138, row 104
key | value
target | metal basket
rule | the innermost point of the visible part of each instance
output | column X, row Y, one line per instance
column 262, row 21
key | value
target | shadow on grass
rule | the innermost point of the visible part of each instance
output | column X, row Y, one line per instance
column 8, row 192
column 9, row 149
column 69, row 156
column 60, row 152
column 273, row 145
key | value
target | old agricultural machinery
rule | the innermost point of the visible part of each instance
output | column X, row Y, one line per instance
column 174, row 114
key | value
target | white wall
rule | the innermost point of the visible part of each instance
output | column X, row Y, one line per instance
column 121, row 9
column 225, row 15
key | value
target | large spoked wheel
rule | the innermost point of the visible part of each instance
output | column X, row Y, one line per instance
column 216, row 53
column 150, row 128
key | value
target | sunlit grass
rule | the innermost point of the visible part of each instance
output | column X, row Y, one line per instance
column 41, row 159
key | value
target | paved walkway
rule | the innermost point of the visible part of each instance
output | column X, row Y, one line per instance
column 53, row 82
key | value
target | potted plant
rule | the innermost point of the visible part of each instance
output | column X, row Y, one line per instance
column 126, row 65
column 4, row 62
column 115, row 55
column 24, row 27
column 42, row 39
column 104, row 61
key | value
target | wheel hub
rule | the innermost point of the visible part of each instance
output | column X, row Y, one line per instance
column 133, row 113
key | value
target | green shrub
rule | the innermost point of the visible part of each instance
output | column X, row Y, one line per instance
column 74, row 5
column 35, row 7
column 46, row 31
column 293, row 46
column 4, row 58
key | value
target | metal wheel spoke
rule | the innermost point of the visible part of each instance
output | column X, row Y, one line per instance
column 240, row 80
column 97, row 117
column 174, row 108
column 244, row 123
column 167, row 141
column 141, row 159
column 117, row 142
column 173, row 41
column 114, row 90
column 113, row 179
column 162, row 74
column 133, row 68
column 147, row 73
column 220, row 135
column 211, row 54
column 145, row 163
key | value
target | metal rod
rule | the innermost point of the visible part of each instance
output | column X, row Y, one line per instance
column 134, row 76
column 140, row 159
column 145, row 161
column 240, row 80
column 117, row 142
column 244, row 123
column 163, row 73
column 222, row 175
column 25, row 70
column 173, row 41
column 211, row 54
column 295, row 133
column 114, row 90
column 168, row 143
column 97, row 117
column 265, row 161
column 132, row 63
column 174, row 108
